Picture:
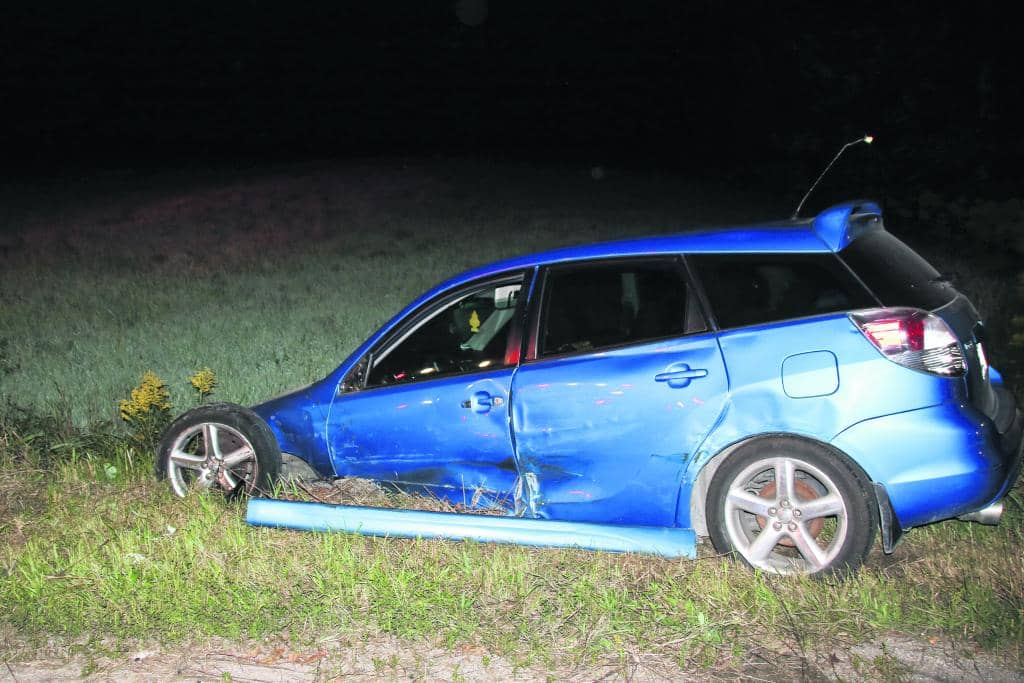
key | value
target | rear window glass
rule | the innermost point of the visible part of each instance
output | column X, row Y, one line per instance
column 748, row 289
column 591, row 306
column 896, row 274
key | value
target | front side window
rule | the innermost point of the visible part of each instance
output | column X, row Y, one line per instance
column 592, row 306
column 468, row 334
column 748, row 289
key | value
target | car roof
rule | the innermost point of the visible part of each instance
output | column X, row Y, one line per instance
column 830, row 231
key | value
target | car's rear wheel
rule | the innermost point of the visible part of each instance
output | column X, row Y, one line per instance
column 790, row 506
column 221, row 446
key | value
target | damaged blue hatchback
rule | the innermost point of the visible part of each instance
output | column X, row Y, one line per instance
column 787, row 389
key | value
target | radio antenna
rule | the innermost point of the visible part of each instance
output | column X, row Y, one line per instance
column 867, row 139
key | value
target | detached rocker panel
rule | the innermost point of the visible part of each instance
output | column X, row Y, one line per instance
column 666, row 542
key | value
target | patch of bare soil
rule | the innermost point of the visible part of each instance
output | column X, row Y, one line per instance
column 386, row 658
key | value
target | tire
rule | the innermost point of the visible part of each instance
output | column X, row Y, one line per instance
column 822, row 517
column 245, row 457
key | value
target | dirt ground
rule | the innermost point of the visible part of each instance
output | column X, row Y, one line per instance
column 385, row 658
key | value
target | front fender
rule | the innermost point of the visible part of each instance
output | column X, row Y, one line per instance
column 298, row 420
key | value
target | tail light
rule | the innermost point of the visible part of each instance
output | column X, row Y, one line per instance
column 913, row 338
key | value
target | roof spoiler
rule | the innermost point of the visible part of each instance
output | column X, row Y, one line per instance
column 839, row 225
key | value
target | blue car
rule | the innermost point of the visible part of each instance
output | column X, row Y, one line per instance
column 790, row 390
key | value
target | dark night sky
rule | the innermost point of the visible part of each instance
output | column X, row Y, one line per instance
column 706, row 87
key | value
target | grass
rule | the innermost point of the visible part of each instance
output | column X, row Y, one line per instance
column 86, row 551
column 270, row 279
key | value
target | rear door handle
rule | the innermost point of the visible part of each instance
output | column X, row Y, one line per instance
column 679, row 375
column 481, row 402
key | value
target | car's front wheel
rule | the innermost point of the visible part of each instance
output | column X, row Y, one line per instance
column 790, row 506
column 220, row 446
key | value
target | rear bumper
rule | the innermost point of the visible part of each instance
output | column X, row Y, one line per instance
column 936, row 463
column 1012, row 444
column 1012, row 439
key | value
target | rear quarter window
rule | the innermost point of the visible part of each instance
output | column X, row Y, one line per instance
column 748, row 289
column 895, row 273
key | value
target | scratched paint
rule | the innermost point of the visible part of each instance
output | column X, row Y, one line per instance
column 592, row 455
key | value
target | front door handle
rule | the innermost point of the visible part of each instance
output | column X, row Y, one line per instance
column 679, row 375
column 481, row 402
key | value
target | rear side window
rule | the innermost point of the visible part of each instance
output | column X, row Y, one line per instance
column 748, row 289
column 596, row 305
column 896, row 274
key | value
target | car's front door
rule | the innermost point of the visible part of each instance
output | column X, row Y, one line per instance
column 430, row 408
column 621, row 384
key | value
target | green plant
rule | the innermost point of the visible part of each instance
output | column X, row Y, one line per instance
column 203, row 381
column 81, row 554
column 147, row 411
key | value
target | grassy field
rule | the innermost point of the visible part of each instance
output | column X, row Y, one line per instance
column 94, row 552
column 271, row 277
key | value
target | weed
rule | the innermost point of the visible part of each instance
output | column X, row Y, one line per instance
column 147, row 411
column 203, row 381
column 882, row 667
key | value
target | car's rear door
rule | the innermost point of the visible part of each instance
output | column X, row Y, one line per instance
column 621, row 384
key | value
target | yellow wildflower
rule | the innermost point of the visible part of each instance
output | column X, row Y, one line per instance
column 204, row 381
column 150, row 395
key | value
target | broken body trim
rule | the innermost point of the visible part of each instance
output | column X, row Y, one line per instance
column 547, row 533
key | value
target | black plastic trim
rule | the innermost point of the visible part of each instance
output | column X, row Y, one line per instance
column 887, row 522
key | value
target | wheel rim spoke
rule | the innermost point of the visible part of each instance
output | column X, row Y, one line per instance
column 763, row 545
column 227, row 481
column 785, row 478
column 187, row 460
column 813, row 553
column 237, row 457
column 210, row 440
column 748, row 502
column 826, row 506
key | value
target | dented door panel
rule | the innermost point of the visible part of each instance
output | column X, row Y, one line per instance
column 606, row 436
column 448, row 435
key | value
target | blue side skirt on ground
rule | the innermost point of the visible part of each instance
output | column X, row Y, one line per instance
column 667, row 542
